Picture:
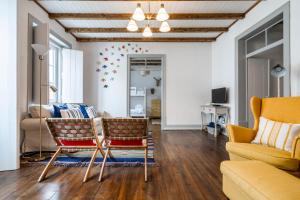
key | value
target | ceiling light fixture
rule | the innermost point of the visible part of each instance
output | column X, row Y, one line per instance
column 164, row 27
column 138, row 14
column 132, row 26
column 147, row 31
column 162, row 14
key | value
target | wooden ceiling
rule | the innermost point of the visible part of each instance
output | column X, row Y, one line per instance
column 106, row 20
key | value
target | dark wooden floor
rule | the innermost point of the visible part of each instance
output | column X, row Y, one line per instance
column 188, row 169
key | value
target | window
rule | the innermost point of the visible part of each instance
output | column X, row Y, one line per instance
column 56, row 47
column 54, row 71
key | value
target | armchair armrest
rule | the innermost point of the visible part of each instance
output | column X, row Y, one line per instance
column 296, row 148
column 240, row 134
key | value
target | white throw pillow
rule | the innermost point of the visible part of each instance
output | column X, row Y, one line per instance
column 34, row 111
column 276, row 134
column 91, row 112
column 71, row 113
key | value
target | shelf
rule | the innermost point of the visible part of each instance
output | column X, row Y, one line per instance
column 137, row 95
column 138, row 115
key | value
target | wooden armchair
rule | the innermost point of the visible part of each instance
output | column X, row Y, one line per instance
column 72, row 135
column 126, row 133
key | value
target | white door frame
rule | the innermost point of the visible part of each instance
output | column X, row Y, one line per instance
column 163, row 83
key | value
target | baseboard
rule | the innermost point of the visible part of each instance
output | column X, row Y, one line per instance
column 182, row 127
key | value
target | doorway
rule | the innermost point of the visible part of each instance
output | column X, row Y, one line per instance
column 146, row 88
column 259, row 50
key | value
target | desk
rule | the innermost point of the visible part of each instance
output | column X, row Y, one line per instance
column 215, row 111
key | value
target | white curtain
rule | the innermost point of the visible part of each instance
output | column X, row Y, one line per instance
column 72, row 76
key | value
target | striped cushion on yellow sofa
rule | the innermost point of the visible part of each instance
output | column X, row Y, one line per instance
column 276, row 134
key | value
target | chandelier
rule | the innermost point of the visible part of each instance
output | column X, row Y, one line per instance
column 138, row 15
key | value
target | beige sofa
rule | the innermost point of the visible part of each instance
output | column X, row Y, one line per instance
column 31, row 127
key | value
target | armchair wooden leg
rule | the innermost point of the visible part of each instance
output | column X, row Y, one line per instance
column 45, row 171
column 102, row 152
column 146, row 156
column 90, row 165
column 110, row 154
column 103, row 164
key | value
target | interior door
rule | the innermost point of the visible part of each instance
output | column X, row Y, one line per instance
column 257, row 82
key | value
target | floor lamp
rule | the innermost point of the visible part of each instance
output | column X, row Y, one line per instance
column 41, row 51
column 278, row 71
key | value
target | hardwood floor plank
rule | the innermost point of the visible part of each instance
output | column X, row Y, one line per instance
column 187, row 168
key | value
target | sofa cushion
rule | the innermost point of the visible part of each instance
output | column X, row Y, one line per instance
column 57, row 108
column 34, row 110
column 82, row 108
column 259, row 180
column 71, row 113
column 279, row 158
column 276, row 134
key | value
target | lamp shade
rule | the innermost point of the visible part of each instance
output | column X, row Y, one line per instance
column 162, row 14
column 164, row 27
column 132, row 26
column 278, row 71
column 147, row 32
column 138, row 14
column 40, row 49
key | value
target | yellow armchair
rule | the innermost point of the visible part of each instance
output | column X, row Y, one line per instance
column 283, row 109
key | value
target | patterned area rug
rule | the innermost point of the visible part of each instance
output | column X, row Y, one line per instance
column 120, row 158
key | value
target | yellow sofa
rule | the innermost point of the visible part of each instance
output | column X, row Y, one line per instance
column 257, row 180
column 239, row 147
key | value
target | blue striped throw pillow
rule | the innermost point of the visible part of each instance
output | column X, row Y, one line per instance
column 91, row 112
column 71, row 113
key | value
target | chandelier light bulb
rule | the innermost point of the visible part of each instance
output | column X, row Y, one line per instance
column 164, row 27
column 132, row 26
column 162, row 14
column 147, row 32
column 138, row 14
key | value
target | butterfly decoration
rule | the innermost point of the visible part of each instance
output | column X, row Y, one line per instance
column 111, row 58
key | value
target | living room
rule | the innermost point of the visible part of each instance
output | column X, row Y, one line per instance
column 182, row 72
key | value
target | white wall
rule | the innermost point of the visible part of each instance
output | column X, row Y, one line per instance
column 188, row 80
column 26, row 8
column 223, row 50
column 14, row 80
column 9, row 158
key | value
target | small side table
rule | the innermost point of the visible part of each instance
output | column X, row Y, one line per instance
column 215, row 111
